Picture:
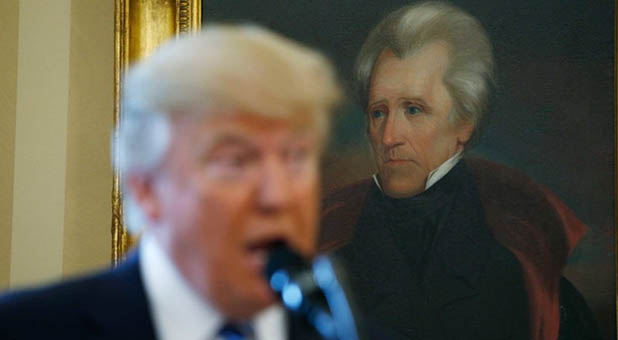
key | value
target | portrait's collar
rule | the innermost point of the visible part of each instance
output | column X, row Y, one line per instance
column 375, row 179
column 436, row 174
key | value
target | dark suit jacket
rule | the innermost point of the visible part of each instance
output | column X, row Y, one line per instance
column 494, row 270
column 109, row 305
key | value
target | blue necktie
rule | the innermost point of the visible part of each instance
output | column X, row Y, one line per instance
column 234, row 331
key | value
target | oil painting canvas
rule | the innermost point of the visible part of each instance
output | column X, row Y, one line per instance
column 551, row 112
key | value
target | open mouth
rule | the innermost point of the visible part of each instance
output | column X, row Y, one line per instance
column 258, row 251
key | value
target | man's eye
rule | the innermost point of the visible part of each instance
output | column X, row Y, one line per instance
column 377, row 114
column 297, row 154
column 298, row 157
column 412, row 110
column 237, row 160
column 231, row 166
column 232, row 160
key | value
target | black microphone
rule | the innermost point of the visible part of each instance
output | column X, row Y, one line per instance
column 313, row 291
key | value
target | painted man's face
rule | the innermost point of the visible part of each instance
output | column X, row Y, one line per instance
column 408, row 119
column 230, row 187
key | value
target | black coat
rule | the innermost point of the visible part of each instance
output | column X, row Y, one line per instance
column 491, row 270
column 110, row 305
column 467, row 286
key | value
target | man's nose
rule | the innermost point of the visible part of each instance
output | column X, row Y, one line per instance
column 391, row 135
column 274, row 189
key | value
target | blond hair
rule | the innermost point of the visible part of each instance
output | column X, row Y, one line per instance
column 242, row 68
column 224, row 69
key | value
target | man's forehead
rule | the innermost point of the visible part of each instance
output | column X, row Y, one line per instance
column 410, row 74
column 430, row 58
column 241, row 128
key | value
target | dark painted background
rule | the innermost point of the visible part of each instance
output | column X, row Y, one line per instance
column 552, row 117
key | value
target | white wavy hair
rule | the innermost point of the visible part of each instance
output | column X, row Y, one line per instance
column 225, row 68
column 470, row 74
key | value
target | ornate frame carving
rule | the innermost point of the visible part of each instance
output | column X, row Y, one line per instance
column 140, row 26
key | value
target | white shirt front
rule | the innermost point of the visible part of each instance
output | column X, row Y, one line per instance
column 179, row 313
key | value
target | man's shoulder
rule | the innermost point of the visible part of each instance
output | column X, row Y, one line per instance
column 74, row 308
column 502, row 177
column 512, row 199
column 341, row 209
column 346, row 196
column 55, row 310
column 532, row 222
column 54, row 297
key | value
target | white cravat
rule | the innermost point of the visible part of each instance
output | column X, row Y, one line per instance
column 436, row 174
column 180, row 313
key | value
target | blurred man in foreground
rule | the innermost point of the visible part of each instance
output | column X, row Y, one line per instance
column 219, row 147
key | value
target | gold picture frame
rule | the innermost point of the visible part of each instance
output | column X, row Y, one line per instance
column 140, row 26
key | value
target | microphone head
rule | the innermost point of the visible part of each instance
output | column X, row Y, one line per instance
column 282, row 257
column 291, row 278
column 311, row 290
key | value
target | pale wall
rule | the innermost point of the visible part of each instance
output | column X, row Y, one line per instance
column 9, row 14
column 40, row 140
column 57, row 105
column 87, row 236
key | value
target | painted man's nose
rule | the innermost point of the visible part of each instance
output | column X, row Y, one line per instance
column 391, row 135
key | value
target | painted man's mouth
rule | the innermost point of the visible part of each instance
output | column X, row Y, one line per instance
column 397, row 161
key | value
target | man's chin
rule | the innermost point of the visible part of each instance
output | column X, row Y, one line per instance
column 265, row 296
column 255, row 302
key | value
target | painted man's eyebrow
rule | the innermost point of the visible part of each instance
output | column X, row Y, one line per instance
column 377, row 102
column 418, row 100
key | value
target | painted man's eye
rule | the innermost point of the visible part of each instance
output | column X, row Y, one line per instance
column 377, row 114
column 412, row 110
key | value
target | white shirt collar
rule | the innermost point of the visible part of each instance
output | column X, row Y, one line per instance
column 180, row 313
column 436, row 174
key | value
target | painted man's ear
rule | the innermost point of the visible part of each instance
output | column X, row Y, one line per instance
column 465, row 130
column 143, row 193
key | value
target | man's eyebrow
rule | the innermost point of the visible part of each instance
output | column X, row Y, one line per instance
column 417, row 100
column 228, row 138
column 377, row 102
column 225, row 139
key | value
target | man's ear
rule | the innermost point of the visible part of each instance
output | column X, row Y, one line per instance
column 144, row 194
column 464, row 132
